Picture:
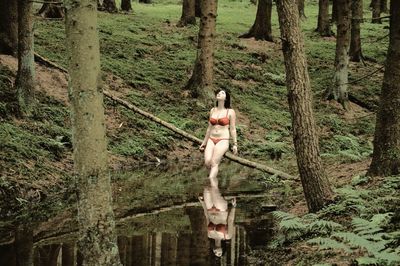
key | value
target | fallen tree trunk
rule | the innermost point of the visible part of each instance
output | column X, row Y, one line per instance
column 228, row 155
column 188, row 136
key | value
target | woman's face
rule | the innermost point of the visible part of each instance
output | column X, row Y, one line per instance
column 218, row 252
column 221, row 95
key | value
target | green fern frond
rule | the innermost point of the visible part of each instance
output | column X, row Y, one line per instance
column 280, row 215
column 367, row 261
column 292, row 225
column 391, row 258
column 328, row 243
column 357, row 241
column 364, row 227
column 323, row 226
column 382, row 218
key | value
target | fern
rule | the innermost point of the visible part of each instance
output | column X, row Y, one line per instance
column 328, row 243
column 367, row 261
column 357, row 241
column 323, row 227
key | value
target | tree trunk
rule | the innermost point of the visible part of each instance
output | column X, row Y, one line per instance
column 339, row 90
column 384, row 8
column 356, row 19
column 316, row 187
column 324, row 26
column 97, row 238
column 300, row 4
column 261, row 29
column 8, row 27
column 126, row 5
column 108, row 6
column 68, row 254
column 201, row 82
column 145, row 1
column 334, row 18
column 25, row 81
column 51, row 11
column 386, row 155
column 199, row 241
column 376, row 11
column 188, row 13
column 24, row 245
column 197, row 8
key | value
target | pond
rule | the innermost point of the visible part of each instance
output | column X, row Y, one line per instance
column 164, row 217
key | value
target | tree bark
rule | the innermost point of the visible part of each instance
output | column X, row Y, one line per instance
column 383, row 7
column 356, row 19
column 201, row 82
column 24, row 245
column 188, row 13
column 261, row 29
column 108, row 6
column 386, row 155
column 316, row 187
column 197, row 8
column 97, row 238
column 300, row 4
column 376, row 11
column 339, row 90
column 126, row 5
column 145, row 1
column 8, row 27
column 324, row 26
column 25, row 81
column 334, row 18
column 68, row 254
column 51, row 11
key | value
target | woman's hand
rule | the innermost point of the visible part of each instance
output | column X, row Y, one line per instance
column 202, row 147
column 233, row 202
column 235, row 149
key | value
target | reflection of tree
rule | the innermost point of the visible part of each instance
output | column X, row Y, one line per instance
column 68, row 254
column 199, row 245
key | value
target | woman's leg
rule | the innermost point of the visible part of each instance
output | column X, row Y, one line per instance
column 208, row 153
column 218, row 201
column 219, row 150
column 207, row 198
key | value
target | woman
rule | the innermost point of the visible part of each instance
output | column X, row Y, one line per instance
column 221, row 128
column 220, row 219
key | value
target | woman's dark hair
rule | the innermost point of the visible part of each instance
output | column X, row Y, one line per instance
column 227, row 103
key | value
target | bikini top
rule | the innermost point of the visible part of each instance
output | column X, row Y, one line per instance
column 222, row 228
column 224, row 121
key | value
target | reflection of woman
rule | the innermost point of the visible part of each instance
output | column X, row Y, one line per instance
column 219, row 218
column 221, row 128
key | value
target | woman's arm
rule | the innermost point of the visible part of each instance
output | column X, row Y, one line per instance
column 232, row 130
column 203, row 204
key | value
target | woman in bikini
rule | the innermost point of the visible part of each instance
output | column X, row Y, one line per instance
column 220, row 219
column 221, row 128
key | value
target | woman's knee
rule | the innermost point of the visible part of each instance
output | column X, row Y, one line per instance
column 208, row 163
column 214, row 163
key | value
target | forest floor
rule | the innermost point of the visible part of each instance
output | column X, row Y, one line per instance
column 146, row 60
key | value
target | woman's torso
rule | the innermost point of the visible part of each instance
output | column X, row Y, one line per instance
column 221, row 119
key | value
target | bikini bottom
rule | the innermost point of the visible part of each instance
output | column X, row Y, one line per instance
column 216, row 140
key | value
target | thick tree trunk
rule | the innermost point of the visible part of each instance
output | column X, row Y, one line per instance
column 339, row 90
column 107, row 5
column 97, row 238
column 386, row 155
column 126, row 5
column 51, row 11
column 316, row 187
column 68, row 254
column 300, row 5
column 356, row 19
column 261, row 29
column 24, row 245
column 25, row 81
column 188, row 13
column 324, row 26
column 376, row 11
column 384, row 8
column 199, row 241
column 9, row 27
column 197, row 8
column 201, row 82
column 334, row 18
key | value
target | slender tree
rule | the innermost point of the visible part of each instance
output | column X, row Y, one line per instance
column 334, row 11
column 188, row 13
column 261, row 29
column 145, row 1
column 386, row 155
column 201, row 82
column 9, row 27
column 24, row 245
column 300, row 4
column 356, row 19
column 97, row 238
column 51, row 10
column 197, row 8
column 339, row 90
column 316, row 187
column 25, row 81
column 376, row 11
column 107, row 5
column 126, row 5
column 384, row 8
column 324, row 26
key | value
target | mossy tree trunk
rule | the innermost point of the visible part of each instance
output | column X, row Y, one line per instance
column 261, row 29
column 334, row 11
column 386, row 155
column 324, row 26
column 25, row 81
column 356, row 19
column 316, row 187
column 107, row 5
column 126, row 5
column 376, row 11
column 201, row 82
column 9, row 27
column 97, row 239
column 51, row 11
column 384, row 8
column 24, row 245
column 188, row 13
column 339, row 90
column 300, row 4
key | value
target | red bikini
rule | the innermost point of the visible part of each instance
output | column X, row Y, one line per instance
column 224, row 121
